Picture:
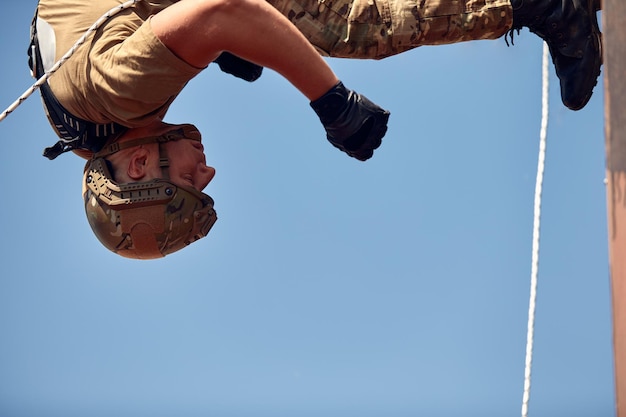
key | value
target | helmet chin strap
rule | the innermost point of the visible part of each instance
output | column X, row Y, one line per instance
column 164, row 161
column 181, row 132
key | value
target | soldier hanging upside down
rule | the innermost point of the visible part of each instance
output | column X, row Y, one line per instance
column 144, row 178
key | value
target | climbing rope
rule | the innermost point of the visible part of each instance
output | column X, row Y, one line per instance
column 67, row 56
column 536, row 227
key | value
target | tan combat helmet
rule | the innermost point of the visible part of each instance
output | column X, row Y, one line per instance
column 145, row 220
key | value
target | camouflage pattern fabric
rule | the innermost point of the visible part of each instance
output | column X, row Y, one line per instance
column 376, row 29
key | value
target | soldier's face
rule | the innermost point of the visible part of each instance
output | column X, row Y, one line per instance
column 188, row 164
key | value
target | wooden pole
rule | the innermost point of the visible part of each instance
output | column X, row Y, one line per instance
column 614, row 28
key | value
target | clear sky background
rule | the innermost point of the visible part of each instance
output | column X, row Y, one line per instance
column 328, row 287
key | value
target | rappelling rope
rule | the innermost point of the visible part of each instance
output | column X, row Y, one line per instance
column 65, row 57
column 536, row 227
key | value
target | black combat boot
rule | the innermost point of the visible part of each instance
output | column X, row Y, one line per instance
column 570, row 28
column 353, row 124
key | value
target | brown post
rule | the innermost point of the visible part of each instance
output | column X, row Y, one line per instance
column 614, row 28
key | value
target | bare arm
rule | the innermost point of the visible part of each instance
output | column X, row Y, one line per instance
column 199, row 30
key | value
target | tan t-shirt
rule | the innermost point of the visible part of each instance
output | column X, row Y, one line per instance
column 123, row 73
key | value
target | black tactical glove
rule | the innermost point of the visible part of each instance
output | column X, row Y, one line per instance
column 240, row 68
column 353, row 123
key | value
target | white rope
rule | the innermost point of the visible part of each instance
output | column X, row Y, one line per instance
column 65, row 57
column 536, row 228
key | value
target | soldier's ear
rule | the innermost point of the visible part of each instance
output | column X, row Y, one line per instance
column 138, row 164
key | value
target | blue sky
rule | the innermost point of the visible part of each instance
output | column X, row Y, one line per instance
column 328, row 287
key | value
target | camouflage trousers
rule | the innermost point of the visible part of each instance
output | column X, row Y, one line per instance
column 379, row 28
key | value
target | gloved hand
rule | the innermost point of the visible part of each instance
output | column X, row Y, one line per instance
column 240, row 68
column 353, row 123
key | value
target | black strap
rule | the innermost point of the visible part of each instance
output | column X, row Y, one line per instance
column 73, row 132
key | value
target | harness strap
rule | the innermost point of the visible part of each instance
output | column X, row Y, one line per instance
column 73, row 132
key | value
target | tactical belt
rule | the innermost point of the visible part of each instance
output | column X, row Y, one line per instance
column 73, row 132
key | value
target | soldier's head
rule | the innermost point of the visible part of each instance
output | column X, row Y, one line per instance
column 143, row 193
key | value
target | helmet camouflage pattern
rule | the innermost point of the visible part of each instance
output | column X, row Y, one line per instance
column 144, row 220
